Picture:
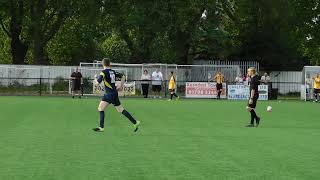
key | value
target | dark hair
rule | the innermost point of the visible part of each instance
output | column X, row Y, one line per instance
column 145, row 70
column 171, row 72
column 105, row 62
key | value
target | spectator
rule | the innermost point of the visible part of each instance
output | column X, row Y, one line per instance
column 239, row 79
column 246, row 80
column 265, row 79
column 77, row 82
column 157, row 79
column 145, row 81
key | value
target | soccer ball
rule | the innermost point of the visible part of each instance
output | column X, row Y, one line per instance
column 269, row 108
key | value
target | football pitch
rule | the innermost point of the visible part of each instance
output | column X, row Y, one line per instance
column 44, row 138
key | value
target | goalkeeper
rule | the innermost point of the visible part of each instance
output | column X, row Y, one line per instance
column 108, row 77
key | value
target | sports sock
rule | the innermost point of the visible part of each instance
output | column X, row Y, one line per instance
column 102, row 119
column 253, row 116
column 171, row 96
column 128, row 115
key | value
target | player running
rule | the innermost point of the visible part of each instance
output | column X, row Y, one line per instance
column 254, row 95
column 172, row 87
column 108, row 77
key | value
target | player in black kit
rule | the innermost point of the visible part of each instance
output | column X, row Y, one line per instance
column 254, row 95
column 108, row 78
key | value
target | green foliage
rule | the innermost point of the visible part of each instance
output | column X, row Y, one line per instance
column 60, row 84
column 74, row 43
column 267, row 32
column 5, row 56
column 162, row 50
column 117, row 49
column 68, row 32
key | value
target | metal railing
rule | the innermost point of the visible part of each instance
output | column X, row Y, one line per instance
column 61, row 87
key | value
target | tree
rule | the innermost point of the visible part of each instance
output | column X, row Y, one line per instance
column 137, row 23
column 5, row 56
column 46, row 19
column 267, row 34
column 33, row 23
column 307, row 28
column 185, row 17
column 81, row 37
column 12, row 22
column 214, row 39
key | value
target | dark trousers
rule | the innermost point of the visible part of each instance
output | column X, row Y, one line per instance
column 219, row 90
column 145, row 90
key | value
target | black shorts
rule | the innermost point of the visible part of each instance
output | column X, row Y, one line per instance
column 111, row 98
column 76, row 86
column 156, row 88
column 316, row 91
column 254, row 103
column 219, row 86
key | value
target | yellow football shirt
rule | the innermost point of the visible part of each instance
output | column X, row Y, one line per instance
column 219, row 78
column 316, row 83
column 172, row 83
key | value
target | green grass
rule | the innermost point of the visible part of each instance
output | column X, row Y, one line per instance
column 45, row 138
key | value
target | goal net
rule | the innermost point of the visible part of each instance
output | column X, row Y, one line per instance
column 89, row 89
column 200, row 73
column 183, row 73
column 308, row 73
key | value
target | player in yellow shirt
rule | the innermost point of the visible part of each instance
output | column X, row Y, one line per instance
column 316, row 87
column 219, row 80
column 172, row 86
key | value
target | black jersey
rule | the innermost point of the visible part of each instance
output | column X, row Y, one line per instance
column 254, row 84
column 77, row 77
column 109, row 78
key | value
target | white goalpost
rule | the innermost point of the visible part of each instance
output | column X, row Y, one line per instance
column 183, row 73
column 88, row 71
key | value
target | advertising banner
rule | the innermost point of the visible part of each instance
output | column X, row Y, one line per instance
column 128, row 89
column 241, row 92
column 203, row 90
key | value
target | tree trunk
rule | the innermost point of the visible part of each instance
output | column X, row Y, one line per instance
column 18, row 47
column 183, row 45
column 39, row 53
column 184, row 54
column 18, row 51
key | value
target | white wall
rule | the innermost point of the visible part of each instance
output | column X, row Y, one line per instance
column 32, row 71
column 286, row 81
